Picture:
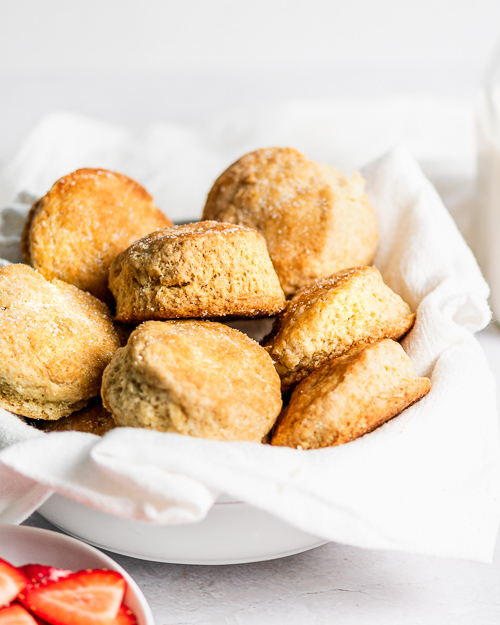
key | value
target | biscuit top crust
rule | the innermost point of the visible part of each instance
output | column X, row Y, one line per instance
column 198, row 378
column 55, row 339
column 315, row 220
column 188, row 231
column 88, row 217
column 164, row 351
column 202, row 227
column 304, row 300
column 333, row 315
column 169, row 241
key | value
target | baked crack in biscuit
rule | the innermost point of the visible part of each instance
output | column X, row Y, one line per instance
column 198, row 378
column 350, row 396
column 88, row 217
column 331, row 317
column 315, row 220
column 55, row 342
column 204, row 269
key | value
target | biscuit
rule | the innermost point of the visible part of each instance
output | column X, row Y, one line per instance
column 86, row 219
column 350, row 396
column 332, row 316
column 198, row 378
column 93, row 419
column 204, row 269
column 315, row 220
column 55, row 342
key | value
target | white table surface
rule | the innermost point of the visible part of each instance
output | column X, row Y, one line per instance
column 331, row 584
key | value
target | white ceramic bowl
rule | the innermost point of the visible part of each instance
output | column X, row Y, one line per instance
column 232, row 533
column 22, row 545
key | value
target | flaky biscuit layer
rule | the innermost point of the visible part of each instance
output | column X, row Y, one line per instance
column 204, row 269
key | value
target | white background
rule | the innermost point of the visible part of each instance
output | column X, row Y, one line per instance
column 137, row 61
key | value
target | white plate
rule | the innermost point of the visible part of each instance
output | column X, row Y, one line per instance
column 232, row 533
column 23, row 545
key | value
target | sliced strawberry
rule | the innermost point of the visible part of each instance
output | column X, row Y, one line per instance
column 12, row 581
column 125, row 616
column 16, row 615
column 90, row 597
column 39, row 620
column 38, row 572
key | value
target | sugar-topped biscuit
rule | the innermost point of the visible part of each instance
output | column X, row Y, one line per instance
column 55, row 342
column 203, row 269
column 88, row 217
column 331, row 317
column 192, row 377
column 350, row 396
column 316, row 220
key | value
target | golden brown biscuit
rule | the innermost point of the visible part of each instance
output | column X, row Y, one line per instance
column 198, row 378
column 55, row 341
column 204, row 269
column 86, row 219
column 93, row 419
column 332, row 316
column 315, row 220
column 350, row 396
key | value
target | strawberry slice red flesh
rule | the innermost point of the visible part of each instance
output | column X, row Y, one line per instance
column 38, row 572
column 90, row 597
column 125, row 616
column 16, row 615
column 12, row 581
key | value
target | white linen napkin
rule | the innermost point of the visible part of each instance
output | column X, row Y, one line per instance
column 427, row 481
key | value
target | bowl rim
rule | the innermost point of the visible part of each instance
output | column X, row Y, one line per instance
column 107, row 562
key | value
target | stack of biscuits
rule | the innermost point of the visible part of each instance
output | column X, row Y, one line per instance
column 119, row 318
